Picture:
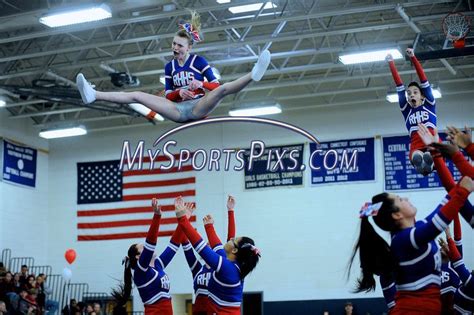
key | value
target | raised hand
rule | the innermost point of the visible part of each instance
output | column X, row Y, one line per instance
column 389, row 58
column 230, row 203
column 442, row 243
column 446, row 150
column 189, row 209
column 443, row 246
column 459, row 138
column 426, row 135
column 208, row 219
column 155, row 206
column 410, row 52
column 179, row 207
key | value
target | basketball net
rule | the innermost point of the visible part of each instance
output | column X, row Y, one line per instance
column 456, row 26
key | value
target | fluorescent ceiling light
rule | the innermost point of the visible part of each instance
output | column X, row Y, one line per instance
column 3, row 103
column 63, row 132
column 169, row 7
column 95, row 13
column 243, row 17
column 223, row 1
column 393, row 97
column 256, row 110
column 370, row 56
column 251, row 7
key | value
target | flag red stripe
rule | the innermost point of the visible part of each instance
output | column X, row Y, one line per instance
column 91, row 213
column 113, row 224
column 177, row 187
column 174, row 194
column 119, row 236
column 185, row 168
column 160, row 183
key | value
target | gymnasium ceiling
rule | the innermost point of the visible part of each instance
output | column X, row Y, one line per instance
column 304, row 36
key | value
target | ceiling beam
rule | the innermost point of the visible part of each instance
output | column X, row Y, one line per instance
column 292, row 108
column 221, row 27
column 212, row 47
column 310, row 81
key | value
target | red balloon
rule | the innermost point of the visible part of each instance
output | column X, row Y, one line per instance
column 70, row 255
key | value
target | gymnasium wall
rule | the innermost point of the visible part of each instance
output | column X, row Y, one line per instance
column 305, row 234
column 24, row 212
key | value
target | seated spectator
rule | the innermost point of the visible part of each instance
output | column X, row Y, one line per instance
column 41, row 298
column 26, row 303
column 97, row 309
column 17, row 282
column 44, row 292
column 7, row 289
column 3, row 270
column 24, row 275
column 3, row 309
column 6, row 285
column 89, row 309
column 71, row 309
column 30, row 283
column 81, row 306
column 348, row 308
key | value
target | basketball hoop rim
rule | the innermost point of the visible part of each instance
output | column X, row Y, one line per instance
column 456, row 38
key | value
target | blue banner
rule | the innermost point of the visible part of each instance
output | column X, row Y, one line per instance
column 19, row 164
column 400, row 174
column 277, row 166
column 342, row 161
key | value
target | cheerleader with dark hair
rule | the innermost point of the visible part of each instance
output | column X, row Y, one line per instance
column 230, row 264
column 148, row 272
column 202, row 272
column 464, row 295
column 419, row 107
column 413, row 256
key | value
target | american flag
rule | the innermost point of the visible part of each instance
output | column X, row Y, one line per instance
column 114, row 204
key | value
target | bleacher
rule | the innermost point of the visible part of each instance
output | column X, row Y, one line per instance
column 62, row 291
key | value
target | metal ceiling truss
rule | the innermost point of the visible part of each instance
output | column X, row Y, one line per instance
column 305, row 38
